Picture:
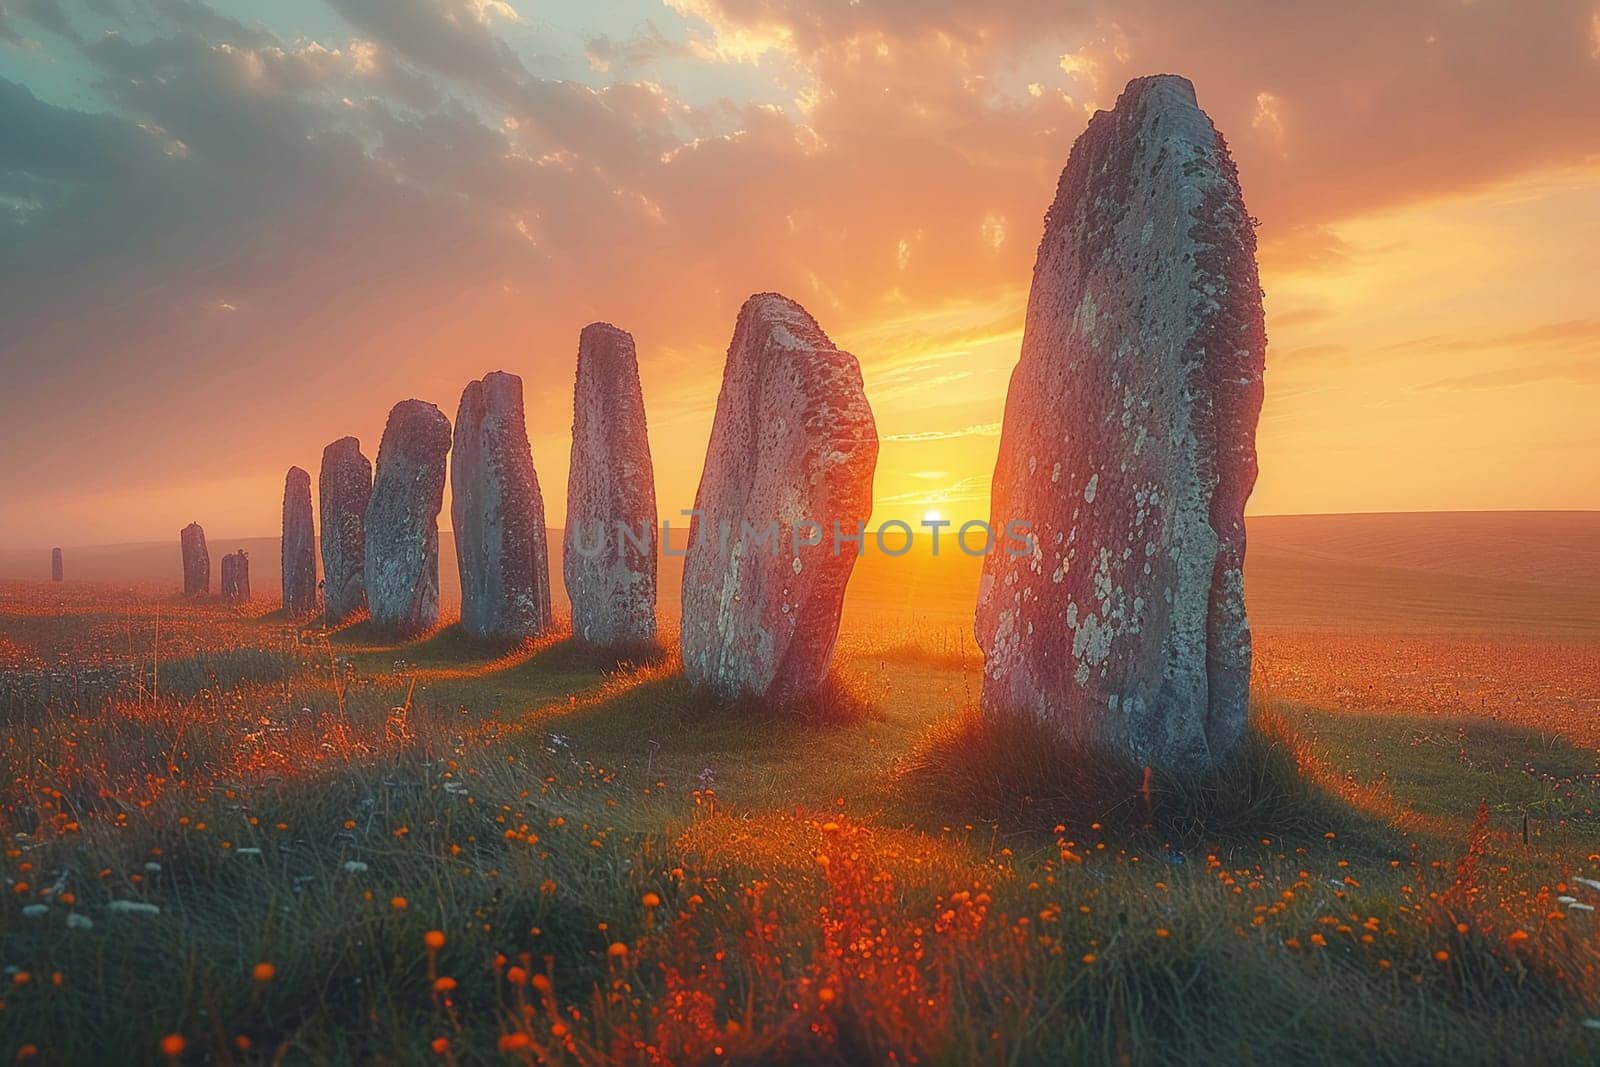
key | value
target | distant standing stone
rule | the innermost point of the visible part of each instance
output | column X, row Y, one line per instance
column 236, row 577
column 610, row 541
column 58, row 571
column 402, row 527
column 299, row 546
column 343, row 490
column 196, row 561
column 793, row 443
column 498, row 515
column 1129, row 445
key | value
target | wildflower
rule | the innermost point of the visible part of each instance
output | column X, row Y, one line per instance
column 1442, row 956
column 444, row 984
column 541, row 983
column 434, row 939
column 651, row 900
column 1162, row 931
column 79, row 922
column 398, row 903
column 35, row 911
column 172, row 1046
column 355, row 867
column 514, row 1042
column 440, row 1045
column 617, row 951
column 132, row 907
column 1518, row 936
column 1088, row 958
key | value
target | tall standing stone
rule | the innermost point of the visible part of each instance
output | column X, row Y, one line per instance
column 343, row 489
column 402, row 555
column 609, row 549
column 58, row 572
column 792, row 451
column 299, row 546
column 498, row 515
column 1129, row 445
column 236, row 577
column 196, row 561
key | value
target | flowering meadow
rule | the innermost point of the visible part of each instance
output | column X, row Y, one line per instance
column 232, row 840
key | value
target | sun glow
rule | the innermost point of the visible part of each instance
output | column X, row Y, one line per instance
column 931, row 516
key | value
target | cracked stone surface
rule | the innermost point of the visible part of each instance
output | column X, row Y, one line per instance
column 610, row 574
column 196, row 561
column 299, row 546
column 1129, row 445
column 402, row 527
column 497, row 512
column 793, row 442
column 343, row 491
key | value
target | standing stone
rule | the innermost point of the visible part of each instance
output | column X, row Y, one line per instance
column 196, row 561
column 236, row 577
column 343, row 489
column 498, row 515
column 792, row 452
column 402, row 555
column 58, row 571
column 611, row 496
column 1129, row 445
column 299, row 546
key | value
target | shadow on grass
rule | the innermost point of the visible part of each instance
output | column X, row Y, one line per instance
column 654, row 709
column 1027, row 776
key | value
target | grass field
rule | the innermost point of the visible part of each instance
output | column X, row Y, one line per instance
column 233, row 840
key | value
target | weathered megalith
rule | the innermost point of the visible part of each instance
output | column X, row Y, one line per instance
column 58, row 571
column 609, row 548
column 498, row 515
column 402, row 555
column 236, row 577
column 343, row 489
column 784, row 496
column 1129, row 446
column 299, row 546
column 196, row 561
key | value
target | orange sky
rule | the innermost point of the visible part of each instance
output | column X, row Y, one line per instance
column 227, row 243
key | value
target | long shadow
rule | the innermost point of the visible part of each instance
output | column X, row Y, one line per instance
column 653, row 711
column 1440, row 768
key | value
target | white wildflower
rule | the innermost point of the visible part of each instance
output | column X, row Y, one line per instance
column 132, row 907
column 355, row 867
column 36, row 911
column 79, row 922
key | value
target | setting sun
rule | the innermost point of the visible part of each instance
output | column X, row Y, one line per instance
column 931, row 517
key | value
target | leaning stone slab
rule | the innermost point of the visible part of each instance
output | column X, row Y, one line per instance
column 792, row 452
column 402, row 525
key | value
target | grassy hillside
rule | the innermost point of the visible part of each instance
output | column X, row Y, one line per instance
column 260, row 844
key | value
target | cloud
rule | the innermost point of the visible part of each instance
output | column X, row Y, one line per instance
column 985, row 429
column 435, row 188
column 1576, row 372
